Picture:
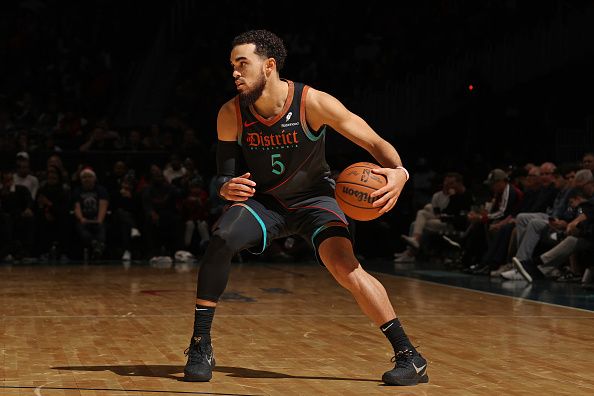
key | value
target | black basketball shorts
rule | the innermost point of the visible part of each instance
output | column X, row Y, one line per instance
column 315, row 219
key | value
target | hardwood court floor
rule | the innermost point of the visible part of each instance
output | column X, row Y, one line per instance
column 281, row 330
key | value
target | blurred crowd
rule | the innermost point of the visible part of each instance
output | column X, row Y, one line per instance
column 521, row 224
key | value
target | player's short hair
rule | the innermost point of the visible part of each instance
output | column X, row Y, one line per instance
column 267, row 44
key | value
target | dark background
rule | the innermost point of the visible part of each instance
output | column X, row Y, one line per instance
column 405, row 68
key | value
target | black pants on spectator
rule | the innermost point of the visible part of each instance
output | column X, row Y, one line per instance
column 50, row 232
column 166, row 234
column 6, row 243
column 498, row 246
column 20, row 235
column 474, row 244
column 123, row 222
column 89, row 232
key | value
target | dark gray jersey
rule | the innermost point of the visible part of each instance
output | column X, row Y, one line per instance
column 286, row 159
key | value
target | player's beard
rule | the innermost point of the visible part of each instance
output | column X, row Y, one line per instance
column 249, row 97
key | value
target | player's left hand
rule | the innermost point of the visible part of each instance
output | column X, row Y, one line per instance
column 391, row 191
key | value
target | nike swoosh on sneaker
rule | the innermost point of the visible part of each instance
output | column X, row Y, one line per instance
column 201, row 309
column 388, row 327
column 209, row 360
column 419, row 369
column 249, row 124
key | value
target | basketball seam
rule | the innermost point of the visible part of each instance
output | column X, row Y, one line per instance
column 357, row 184
column 355, row 206
column 362, row 165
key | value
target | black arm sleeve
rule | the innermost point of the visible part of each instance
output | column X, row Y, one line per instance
column 228, row 159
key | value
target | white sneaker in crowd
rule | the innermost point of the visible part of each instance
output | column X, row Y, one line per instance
column 161, row 262
column 451, row 242
column 411, row 241
column 405, row 258
column 503, row 268
column 512, row 274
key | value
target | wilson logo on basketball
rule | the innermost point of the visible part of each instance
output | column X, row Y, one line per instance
column 258, row 139
column 359, row 195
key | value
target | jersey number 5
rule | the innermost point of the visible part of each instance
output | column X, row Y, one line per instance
column 277, row 166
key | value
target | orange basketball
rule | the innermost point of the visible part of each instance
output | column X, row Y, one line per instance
column 354, row 186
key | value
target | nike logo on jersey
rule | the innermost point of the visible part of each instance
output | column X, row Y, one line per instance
column 388, row 327
column 249, row 124
column 419, row 369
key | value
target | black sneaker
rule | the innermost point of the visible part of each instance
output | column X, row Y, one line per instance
column 201, row 360
column 410, row 369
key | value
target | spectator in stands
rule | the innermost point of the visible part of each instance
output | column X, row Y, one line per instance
column 531, row 225
column 17, row 217
column 174, row 169
column 91, row 201
column 580, row 238
column 452, row 199
column 195, row 215
column 163, row 228
column 190, row 142
column 124, row 203
column 53, row 222
column 134, row 141
column 23, row 176
column 100, row 138
column 153, row 140
column 505, row 201
column 539, row 193
column 56, row 160
column 588, row 161
column 113, row 180
column 22, row 143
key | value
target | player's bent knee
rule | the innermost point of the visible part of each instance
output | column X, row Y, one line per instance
column 228, row 240
column 343, row 265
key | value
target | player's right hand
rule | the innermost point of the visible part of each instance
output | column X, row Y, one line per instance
column 239, row 188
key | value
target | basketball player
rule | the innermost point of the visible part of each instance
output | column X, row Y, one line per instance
column 276, row 128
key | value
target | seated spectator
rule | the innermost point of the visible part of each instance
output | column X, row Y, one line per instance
column 505, row 200
column 56, row 160
column 539, row 193
column 100, row 139
column 134, row 141
column 53, row 222
column 448, row 203
column 174, row 169
column 17, row 227
column 195, row 215
column 90, row 208
column 23, row 176
column 531, row 226
column 588, row 161
column 163, row 227
column 580, row 237
column 114, row 179
column 124, row 203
